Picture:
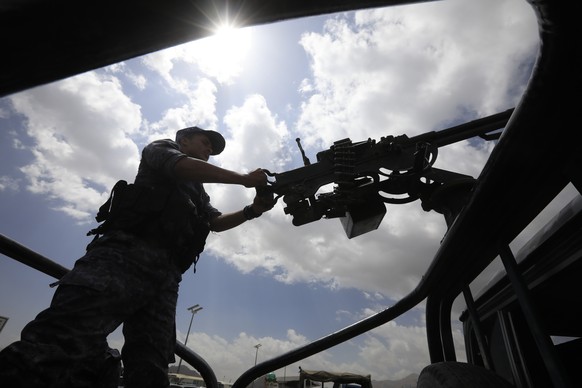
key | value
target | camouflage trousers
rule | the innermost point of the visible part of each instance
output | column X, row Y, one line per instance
column 120, row 280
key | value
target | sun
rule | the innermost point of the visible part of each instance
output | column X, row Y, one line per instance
column 225, row 32
column 231, row 40
column 223, row 55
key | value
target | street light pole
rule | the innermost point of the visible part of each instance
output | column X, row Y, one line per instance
column 257, row 346
column 193, row 309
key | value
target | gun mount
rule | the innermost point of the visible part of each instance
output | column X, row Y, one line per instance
column 368, row 174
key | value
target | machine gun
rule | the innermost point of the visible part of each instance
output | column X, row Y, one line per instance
column 370, row 173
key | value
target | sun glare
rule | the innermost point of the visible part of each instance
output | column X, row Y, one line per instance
column 224, row 31
column 231, row 41
column 223, row 54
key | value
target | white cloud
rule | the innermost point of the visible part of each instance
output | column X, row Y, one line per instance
column 199, row 109
column 255, row 136
column 138, row 80
column 4, row 113
column 220, row 57
column 411, row 69
column 8, row 183
column 80, row 128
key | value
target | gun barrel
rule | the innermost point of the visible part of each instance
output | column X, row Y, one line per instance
column 465, row 131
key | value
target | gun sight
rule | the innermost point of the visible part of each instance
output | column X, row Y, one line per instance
column 306, row 160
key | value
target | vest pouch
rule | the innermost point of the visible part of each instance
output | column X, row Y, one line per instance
column 131, row 208
column 184, row 229
column 136, row 207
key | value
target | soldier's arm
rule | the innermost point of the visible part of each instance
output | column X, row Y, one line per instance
column 204, row 172
column 230, row 220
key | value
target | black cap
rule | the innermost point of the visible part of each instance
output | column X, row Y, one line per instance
column 216, row 139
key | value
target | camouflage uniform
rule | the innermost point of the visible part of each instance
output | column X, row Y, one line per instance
column 123, row 278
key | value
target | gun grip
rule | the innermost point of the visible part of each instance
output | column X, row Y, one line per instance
column 264, row 192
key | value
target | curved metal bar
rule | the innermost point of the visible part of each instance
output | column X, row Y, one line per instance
column 349, row 332
column 197, row 363
column 30, row 258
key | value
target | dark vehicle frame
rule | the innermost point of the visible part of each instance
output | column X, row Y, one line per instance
column 508, row 329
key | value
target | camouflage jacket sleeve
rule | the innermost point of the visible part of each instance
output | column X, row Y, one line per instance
column 160, row 157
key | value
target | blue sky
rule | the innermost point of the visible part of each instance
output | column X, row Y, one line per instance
column 390, row 71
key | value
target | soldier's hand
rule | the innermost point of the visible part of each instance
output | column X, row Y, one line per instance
column 256, row 178
column 264, row 200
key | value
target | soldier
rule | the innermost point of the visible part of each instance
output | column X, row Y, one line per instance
column 153, row 231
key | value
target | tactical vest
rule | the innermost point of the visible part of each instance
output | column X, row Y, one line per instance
column 163, row 214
